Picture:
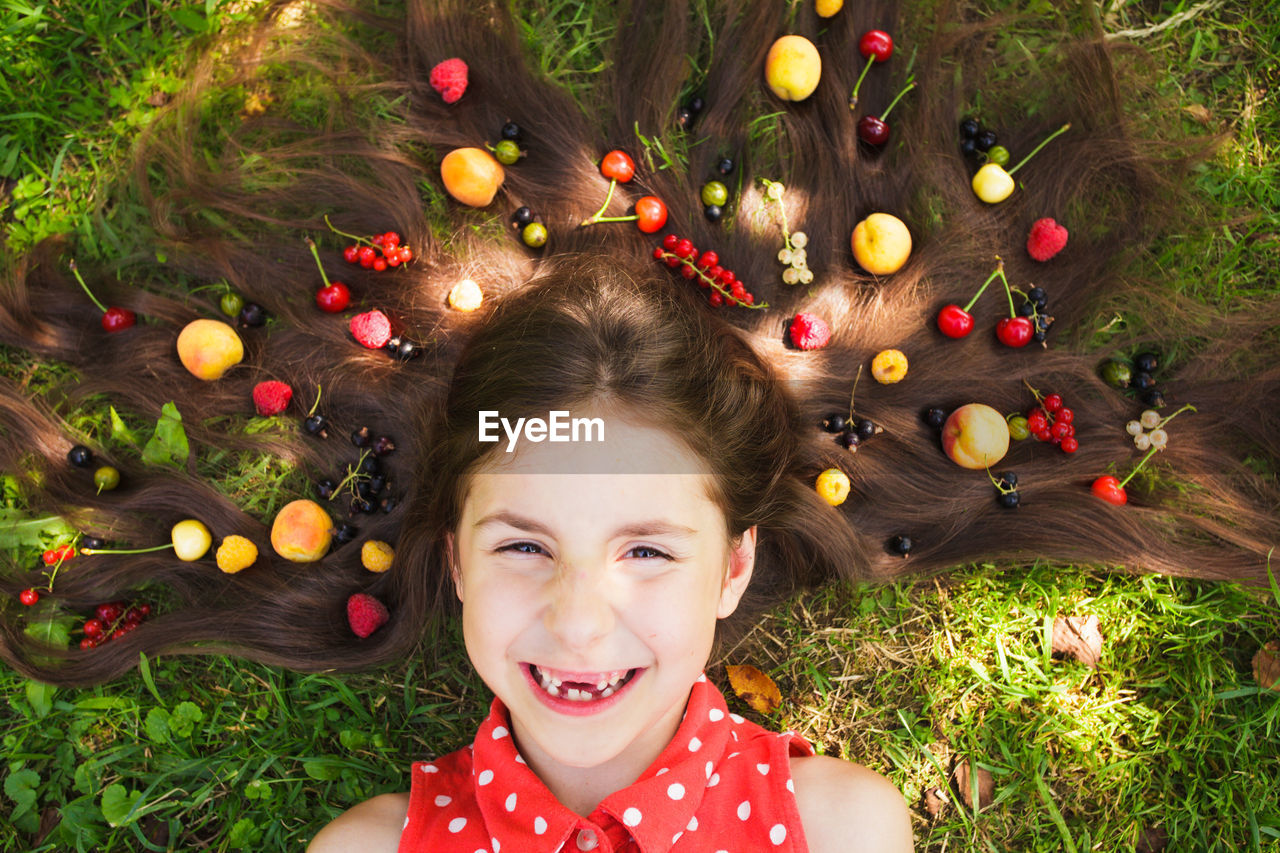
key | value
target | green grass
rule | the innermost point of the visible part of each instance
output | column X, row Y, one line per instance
column 1169, row 730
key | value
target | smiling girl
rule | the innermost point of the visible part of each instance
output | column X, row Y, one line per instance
column 593, row 578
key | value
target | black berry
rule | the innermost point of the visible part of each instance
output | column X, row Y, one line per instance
column 92, row 542
column 377, row 483
column 935, row 417
column 382, row 445
column 522, row 217
column 1026, row 309
column 80, row 456
column 969, row 128
column 388, row 503
column 252, row 314
column 696, row 105
column 407, row 351
column 1147, row 362
column 316, row 424
column 713, row 212
column 1153, row 397
column 370, row 466
column 683, row 117
column 345, row 533
column 985, row 140
column 360, row 438
column 1008, row 500
column 866, row 429
column 1038, row 297
column 848, row 440
column 325, row 488
column 1008, row 479
column 725, row 166
column 1143, row 381
column 511, row 130
column 359, row 505
column 901, row 545
column 834, row 423
column 968, row 147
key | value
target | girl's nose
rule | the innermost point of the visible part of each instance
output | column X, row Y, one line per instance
column 580, row 613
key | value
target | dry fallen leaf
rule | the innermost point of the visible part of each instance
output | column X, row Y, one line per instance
column 1078, row 637
column 935, row 800
column 255, row 104
column 158, row 98
column 1266, row 666
column 963, row 778
column 755, row 688
column 1199, row 112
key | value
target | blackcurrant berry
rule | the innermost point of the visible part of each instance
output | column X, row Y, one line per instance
column 834, row 423
column 392, row 344
column 1153, row 397
column 364, row 489
column 359, row 505
column 370, row 466
column 1039, row 335
column 511, row 130
column 388, row 503
column 407, row 351
column 725, row 166
column 360, row 438
column 1143, row 381
column 80, row 456
column 713, row 212
column 1147, row 362
column 969, row 128
column 316, row 424
column 377, row 483
column 968, row 147
column 901, row 545
column 1026, row 309
column 252, row 314
column 696, row 105
column 382, row 445
column 345, row 533
column 935, row 417
column 92, row 542
column 325, row 488
column 1038, row 297
column 1008, row 500
column 865, row 428
column 848, row 440
column 1008, row 479
column 522, row 217
column 985, row 140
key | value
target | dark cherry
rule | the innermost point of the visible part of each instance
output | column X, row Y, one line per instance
column 985, row 140
column 80, row 456
column 872, row 130
column 969, row 128
column 117, row 319
column 835, row 423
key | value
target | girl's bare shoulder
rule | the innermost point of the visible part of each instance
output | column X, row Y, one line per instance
column 848, row 808
column 373, row 826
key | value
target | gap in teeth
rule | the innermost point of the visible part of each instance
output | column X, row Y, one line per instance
column 605, row 687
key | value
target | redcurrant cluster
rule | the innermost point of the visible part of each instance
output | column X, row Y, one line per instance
column 378, row 252
column 111, row 621
column 725, row 287
column 1051, row 421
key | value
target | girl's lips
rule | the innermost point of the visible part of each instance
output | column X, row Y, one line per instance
column 579, row 707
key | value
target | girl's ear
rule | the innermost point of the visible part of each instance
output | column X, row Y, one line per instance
column 742, row 561
column 451, row 556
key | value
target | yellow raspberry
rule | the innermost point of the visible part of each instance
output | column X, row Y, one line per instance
column 889, row 366
column 465, row 296
column 236, row 553
column 833, row 486
column 376, row 555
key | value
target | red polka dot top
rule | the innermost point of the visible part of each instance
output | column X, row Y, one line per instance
column 723, row 785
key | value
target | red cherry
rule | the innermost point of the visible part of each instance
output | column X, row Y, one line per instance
column 1015, row 331
column 873, row 130
column 618, row 166
column 1053, row 402
column 334, row 298
column 1108, row 488
column 93, row 628
column 28, row 597
column 876, row 43
column 351, row 254
column 118, row 319
column 954, row 321
column 651, row 215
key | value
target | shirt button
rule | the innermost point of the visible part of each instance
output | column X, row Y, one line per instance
column 587, row 840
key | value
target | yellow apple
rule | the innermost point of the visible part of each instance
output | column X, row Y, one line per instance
column 792, row 68
column 992, row 183
column 881, row 243
column 975, row 436
column 472, row 176
column 209, row 348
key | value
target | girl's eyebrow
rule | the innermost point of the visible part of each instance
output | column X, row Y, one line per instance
column 651, row 527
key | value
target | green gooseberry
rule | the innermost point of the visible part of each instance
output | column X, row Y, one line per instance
column 106, row 478
column 715, row 192
column 534, row 235
column 1117, row 374
column 998, row 154
column 1018, row 429
column 507, row 152
column 231, row 303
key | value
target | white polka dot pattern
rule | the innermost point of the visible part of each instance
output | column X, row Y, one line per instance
column 675, row 791
column 715, row 715
column 510, row 805
column 744, row 810
column 695, row 745
column 456, row 825
column 777, row 834
column 442, row 800
column 632, row 816
column 485, row 777
column 539, row 825
column 500, row 732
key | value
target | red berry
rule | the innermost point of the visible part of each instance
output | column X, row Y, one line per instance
column 391, row 239
column 378, row 239
column 658, row 254
column 726, row 277
column 809, row 331
column 715, row 299
column 110, row 611
column 872, row 130
column 1065, row 415
column 379, row 264
column 59, row 554
column 1047, row 238
column 93, row 628
column 618, row 166
column 1043, row 434
column 28, row 597
column 954, row 321
column 715, row 273
column 1060, row 429
column 672, row 261
column 334, row 298
column 1053, row 402
column 365, row 614
column 271, row 397
column 876, row 43
column 367, row 254
column 1015, row 331
column 145, row 610
column 749, row 299
column 372, row 329
column 117, row 319
column 651, row 214
column 670, row 242
column 87, row 643
column 406, row 254
column 118, row 633
column 1108, row 488
column 449, row 78
column 685, row 249
column 708, row 260
column 393, row 258
column 351, row 254
column 1037, row 420
column 1069, row 445
column 687, row 271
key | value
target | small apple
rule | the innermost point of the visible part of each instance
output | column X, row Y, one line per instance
column 191, row 539
column 881, row 243
column 209, row 348
column 792, row 68
column 975, row 436
column 472, row 176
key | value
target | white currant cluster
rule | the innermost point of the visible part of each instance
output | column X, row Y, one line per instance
column 1147, row 431
column 792, row 252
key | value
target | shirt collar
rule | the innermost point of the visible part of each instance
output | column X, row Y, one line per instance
column 516, row 804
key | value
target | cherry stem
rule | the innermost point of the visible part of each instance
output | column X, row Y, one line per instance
column 854, row 392
column 89, row 551
column 910, row 85
column 76, row 272
column 990, row 278
column 316, row 404
column 345, row 234
column 1152, row 452
column 853, row 97
column 1007, row 291
column 598, row 217
column 1045, row 142
column 311, row 244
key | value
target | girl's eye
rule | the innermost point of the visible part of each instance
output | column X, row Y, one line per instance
column 648, row 552
column 522, row 548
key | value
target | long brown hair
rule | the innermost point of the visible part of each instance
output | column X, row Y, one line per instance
column 234, row 208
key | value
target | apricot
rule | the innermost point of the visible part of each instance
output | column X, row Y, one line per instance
column 792, row 68
column 302, row 531
column 472, row 176
column 209, row 348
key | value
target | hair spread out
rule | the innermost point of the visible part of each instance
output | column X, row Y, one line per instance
column 591, row 316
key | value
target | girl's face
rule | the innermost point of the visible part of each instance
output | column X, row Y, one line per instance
column 591, row 578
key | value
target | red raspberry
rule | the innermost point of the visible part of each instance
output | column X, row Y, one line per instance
column 365, row 614
column 1047, row 238
column 449, row 78
column 809, row 331
column 271, row 397
column 372, row 329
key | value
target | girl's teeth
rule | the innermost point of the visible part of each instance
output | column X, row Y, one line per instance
column 608, row 691
column 606, row 686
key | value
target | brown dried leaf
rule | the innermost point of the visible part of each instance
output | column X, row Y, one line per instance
column 935, row 800
column 1078, row 637
column 1266, row 666
column 158, row 98
column 1199, row 112
column 963, row 780
column 755, row 688
column 255, row 104
column 1152, row 839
